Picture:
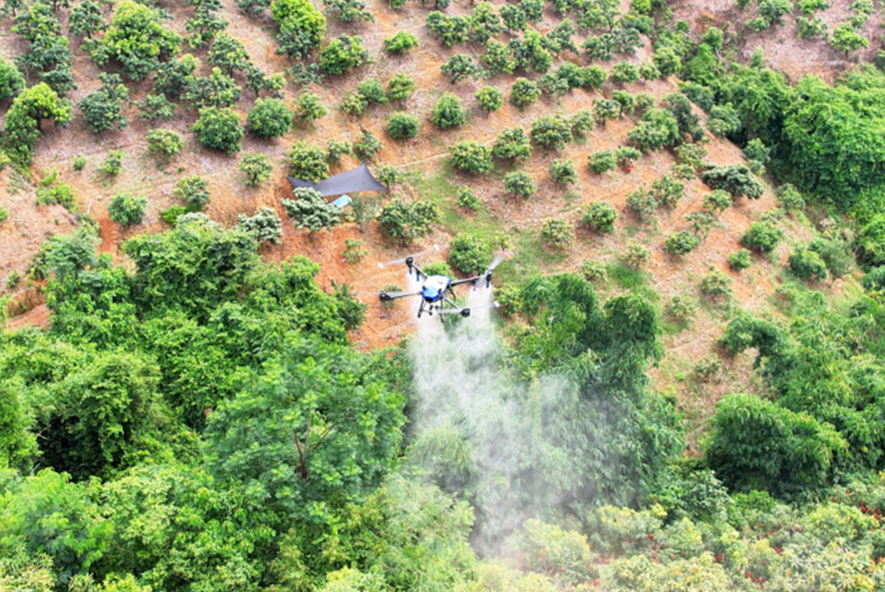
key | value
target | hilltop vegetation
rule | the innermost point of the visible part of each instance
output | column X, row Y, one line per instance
column 691, row 317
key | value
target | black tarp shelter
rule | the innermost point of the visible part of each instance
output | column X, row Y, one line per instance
column 358, row 179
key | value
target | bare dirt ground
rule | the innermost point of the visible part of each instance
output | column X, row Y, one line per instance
column 425, row 156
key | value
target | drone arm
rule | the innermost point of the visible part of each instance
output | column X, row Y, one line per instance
column 418, row 271
column 473, row 279
column 388, row 296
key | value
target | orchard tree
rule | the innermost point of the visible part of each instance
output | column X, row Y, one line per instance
column 523, row 93
column 552, row 132
column 342, row 54
column 22, row 128
column 136, row 39
column 308, row 162
column 400, row 87
column 11, row 81
column 657, row 129
column 563, row 172
column 264, row 226
column 308, row 107
column 402, row 126
column 127, row 209
column 736, row 179
column 512, row 144
column 484, row 22
column 219, row 129
column 600, row 217
column 269, row 118
column 302, row 27
column 519, row 184
column 228, row 53
column 172, row 78
column 86, row 19
column 255, row 168
column 490, row 98
column 471, row 157
column 460, row 67
column 400, row 43
column 164, row 143
column 404, row 222
column 310, row 211
column 216, row 90
column 193, row 191
column 101, row 109
column 448, row 112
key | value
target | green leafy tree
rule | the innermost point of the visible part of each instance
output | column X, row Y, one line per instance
column 373, row 90
column 269, row 118
column 402, row 126
column 667, row 191
column 682, row 242
column 717, row 201
column 452, row 30
column 400, row 87
column 511, row 144
column 470, row 253
column 558, row 233
column 471, row 157
column 136, row 40
column 806, row 264
column 302, row 27
column 127, row 209
column 348, row 11
column 404, row 222
column 172, row 78
column 154, row 107
column 18, row 445
column 600, row 216
column 216, row 90
column 193, row 191
column 264, row 226
column 310, row 211
column 164, row 143
column 606, row 110
column 342, row 54
column 308, row 107
column 228, row 53
column 484, row 22
column 101, row 109
column 489, row 98
column 740, row 260
column 551, row 131
column 448, row 112
column 460, row 67
column 736, row 179
column 563, row 172
column 402, row 42
column 523, row 93
column 11, row 81
column 367, row 145
column 255, row 169
column 497, row 58
column 308, row 162
column 219, row 129
column 762, row 236
column 519, row 184
column 847, row 39
column 22, row 127
column 657, row 129
column 514, row 18
column 602, row 161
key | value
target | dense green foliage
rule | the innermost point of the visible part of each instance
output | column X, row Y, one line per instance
column 136, row 40
column 219, row 129
column 269, row 118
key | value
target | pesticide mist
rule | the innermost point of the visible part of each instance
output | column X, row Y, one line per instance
column 471, row 426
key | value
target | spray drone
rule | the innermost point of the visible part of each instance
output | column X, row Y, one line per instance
column 436, row 290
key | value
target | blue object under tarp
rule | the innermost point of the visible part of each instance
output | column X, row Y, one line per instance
column 342, row 201
column 358, row 179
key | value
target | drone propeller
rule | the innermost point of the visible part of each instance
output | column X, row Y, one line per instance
column 403, row 259
column 487, row 274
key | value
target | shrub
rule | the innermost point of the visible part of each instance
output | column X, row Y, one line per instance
column 127, row 209
column 307, row 162
column 404, row 222
column 724, row 120
column 342, row 54
column 136, row 39
column 255, row 169
column 593, row 271
column 353, row 103
column 469, row 253
column 310, row 211
column 78, row 163
column 606, row 110
column 348, row 11
column 489, row 98
column 354, row 251
column 373, row 90
column 667, row 191
column 101, row 109
column 806, row 264
column 837, row 252
column 336, row 149
column 400, row 87
column 471, row 157
column 219, row 129
column 4, row 214
column 600, row 217
column 113, row 163
column 789, row 197
column 307, row 108
column 682, row 242
column 448, row 112
column 602, row 161
column 680, row 309
column 216, row 90
column 367, row 145
column 165, row 143
column 582, row 122
column 269, row 118
column 519, row 184
column 758, row 155
column 264, row 226
column 716, row 285
column 657, row 129
column 739, row 260
column 512, row 144
column 402, row 42
column 762, row 236
column 402, row 126
column 29, row 108
column 624, row 72
column 460, row 67
column 467, row 199
column 636, row 256
column 736, row 179
column 155, row 106
column 12, row 82
column 301, row 26
column 626, row 157
column 523, row 93
column 717, row 201
column 551, row 132
column 60, row 194
column 193, row 191
column 563, row 172
column 643, row 205
column 626, row 102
